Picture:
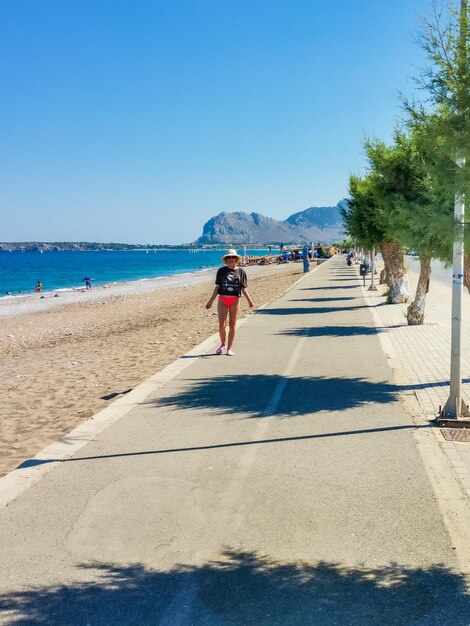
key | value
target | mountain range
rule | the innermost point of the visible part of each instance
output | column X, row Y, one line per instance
column 319, row 224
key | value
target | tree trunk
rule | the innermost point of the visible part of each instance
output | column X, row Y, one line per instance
column 397, row 278
column 415, row 312
column 466, row 271
column 383, row 277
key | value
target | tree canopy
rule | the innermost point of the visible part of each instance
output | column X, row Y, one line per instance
column 419, row 207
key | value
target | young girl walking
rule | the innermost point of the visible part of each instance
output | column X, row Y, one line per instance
column 230, row 282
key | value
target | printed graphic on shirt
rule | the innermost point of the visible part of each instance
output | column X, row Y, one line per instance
column 230, row 281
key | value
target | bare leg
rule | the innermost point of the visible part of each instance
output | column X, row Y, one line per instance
column 222, row 312
column 232, row 320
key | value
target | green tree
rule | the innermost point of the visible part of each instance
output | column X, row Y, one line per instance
column 367, row 220
column 442, row 123
column 361, row 213
column 418, row 208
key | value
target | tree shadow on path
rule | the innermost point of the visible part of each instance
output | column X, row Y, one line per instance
column 332, row 299
column 251, row 394
column 308, row 310
column 331, row 331
column 242, row 587
column 328, row 288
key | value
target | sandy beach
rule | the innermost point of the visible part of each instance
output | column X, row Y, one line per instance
column 66, row 358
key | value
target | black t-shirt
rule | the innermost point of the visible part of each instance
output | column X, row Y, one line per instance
column 230, row 281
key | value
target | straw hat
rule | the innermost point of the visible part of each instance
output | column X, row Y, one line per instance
column 231, row 252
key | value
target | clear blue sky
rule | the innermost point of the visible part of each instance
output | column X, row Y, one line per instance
column 138, row 120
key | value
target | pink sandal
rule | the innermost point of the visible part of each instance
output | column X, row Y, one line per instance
column 220, row 350
column 230, row 353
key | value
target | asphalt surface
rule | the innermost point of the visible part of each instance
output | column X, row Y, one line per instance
column 281, row 486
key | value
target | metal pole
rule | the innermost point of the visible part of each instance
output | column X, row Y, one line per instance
column 372, row 267
column 455, row 406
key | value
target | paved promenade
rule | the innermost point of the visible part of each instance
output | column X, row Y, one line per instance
column 287, row 485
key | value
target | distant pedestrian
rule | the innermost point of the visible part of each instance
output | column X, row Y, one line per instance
column 38, row 287
column 306, row 260
column 230, row 282
column 87, row 280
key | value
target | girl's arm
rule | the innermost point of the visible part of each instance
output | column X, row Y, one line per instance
column 213, row 297
column 247, row 296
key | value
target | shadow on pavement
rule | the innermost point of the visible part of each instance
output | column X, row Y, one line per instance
column 328, row 288
column 331, row 331
column 241, row 588
column 439, row 383
column 230, row 444
column 250, row 395
column 309, row 309
column 332, row 299
column 345, row 275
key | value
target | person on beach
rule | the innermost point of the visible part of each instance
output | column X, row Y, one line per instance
column 87, row 280
column 230, row 282
column 38, row 287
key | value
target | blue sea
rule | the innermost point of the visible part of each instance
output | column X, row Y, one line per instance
column 20, row 271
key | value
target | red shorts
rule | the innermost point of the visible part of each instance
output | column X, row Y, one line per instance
column 229, row 300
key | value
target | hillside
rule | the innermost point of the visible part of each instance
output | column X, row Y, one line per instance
column 321, row 224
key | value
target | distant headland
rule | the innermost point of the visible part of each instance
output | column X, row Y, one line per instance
column 80, row 246
column 320, row 224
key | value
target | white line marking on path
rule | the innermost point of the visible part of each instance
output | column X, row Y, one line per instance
column 179, row 611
